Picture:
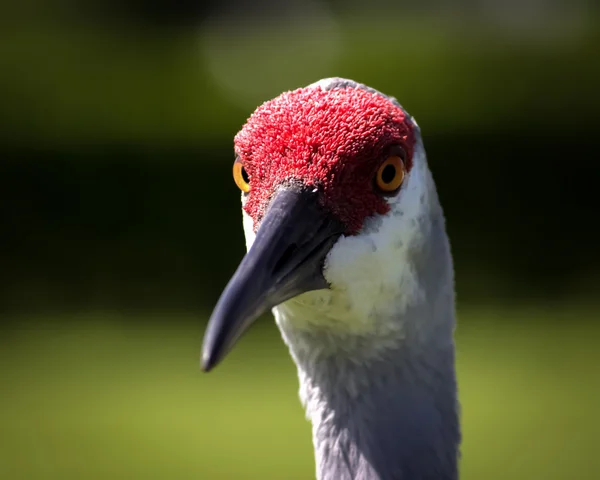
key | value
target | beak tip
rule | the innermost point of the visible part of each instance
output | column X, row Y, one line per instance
column 208, row 361
column 211, row 353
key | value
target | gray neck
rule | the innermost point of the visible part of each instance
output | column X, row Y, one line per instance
column 394, row 417
column 385, row 413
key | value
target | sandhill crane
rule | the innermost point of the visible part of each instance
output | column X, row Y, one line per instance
column 347, row 245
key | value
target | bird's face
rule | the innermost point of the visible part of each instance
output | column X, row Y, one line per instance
column 334, row 189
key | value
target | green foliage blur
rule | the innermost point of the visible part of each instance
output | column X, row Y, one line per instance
column 121, row 225
column 102, row 397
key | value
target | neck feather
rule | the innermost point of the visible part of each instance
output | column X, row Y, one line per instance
column 393, row 416
column 382, row 402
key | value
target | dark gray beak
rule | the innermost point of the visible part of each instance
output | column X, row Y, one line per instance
column 285, row 260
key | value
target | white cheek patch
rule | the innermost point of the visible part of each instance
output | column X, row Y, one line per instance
column 248, row 224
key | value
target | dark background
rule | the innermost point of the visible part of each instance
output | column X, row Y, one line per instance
column 119, row 213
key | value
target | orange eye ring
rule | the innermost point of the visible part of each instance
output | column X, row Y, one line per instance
column 390, row 175
column 240, row 176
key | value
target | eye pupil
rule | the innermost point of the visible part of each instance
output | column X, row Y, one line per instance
column 388, row 174
column 245, row 175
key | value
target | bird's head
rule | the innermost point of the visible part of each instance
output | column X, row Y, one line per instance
column 336, row 194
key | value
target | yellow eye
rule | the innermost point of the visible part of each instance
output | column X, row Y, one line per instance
column 241, row 176
column 390, row 174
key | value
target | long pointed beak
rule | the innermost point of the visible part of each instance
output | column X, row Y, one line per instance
column 285, row 260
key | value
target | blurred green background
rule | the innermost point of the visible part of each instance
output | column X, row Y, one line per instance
column 121, row 225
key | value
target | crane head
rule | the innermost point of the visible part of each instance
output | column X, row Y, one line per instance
column 334, row 191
